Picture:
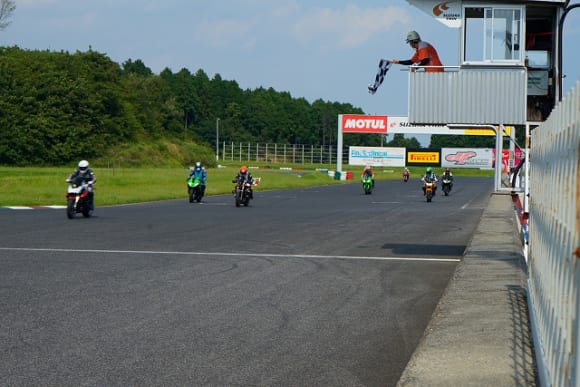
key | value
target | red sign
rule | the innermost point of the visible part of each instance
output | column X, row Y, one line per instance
column 505, row 156
column 364, row 124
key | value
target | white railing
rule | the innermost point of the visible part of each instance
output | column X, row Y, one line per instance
column 554, row 229
column 470, row 94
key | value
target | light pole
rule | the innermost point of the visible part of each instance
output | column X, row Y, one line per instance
column 217, row 139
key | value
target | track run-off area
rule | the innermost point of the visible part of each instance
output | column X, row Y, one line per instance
column 317, row 286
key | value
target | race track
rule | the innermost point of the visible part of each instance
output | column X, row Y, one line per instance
column 320, row 286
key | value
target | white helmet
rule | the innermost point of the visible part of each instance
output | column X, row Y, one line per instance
column 412, row 36
column 83, row 165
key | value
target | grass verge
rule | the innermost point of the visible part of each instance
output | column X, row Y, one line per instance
column 23, row 186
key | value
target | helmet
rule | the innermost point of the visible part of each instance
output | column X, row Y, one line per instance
column 413, row 36
column 243, row 169
column 83, row 165
column 198, row 165
column 429, row 169
column 367, row 167
column 446, row 169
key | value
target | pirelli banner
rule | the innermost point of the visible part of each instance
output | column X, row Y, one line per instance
column 424, row 157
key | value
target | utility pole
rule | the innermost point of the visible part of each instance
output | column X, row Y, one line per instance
column 217, row 139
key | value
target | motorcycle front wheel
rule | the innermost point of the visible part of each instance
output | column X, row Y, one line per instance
column 70, row 208
column 238, row 199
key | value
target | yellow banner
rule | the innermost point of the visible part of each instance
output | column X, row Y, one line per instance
column 423, row 157
column 487, row 132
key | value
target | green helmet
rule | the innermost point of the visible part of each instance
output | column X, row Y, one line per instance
column 413, row 35
column 429, row 169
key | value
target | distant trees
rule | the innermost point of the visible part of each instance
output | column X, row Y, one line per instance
column 399, row 140
column 6, row 9
column 57, row 107
column 455, row 141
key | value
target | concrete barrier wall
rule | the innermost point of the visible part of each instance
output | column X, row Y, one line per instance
column 554, row 270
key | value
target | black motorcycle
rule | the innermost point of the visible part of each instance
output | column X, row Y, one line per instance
column 242, row 192
column 446, row 186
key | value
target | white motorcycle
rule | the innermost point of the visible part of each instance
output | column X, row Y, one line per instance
column 78, row 200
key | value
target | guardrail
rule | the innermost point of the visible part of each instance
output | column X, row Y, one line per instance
column 554, row 236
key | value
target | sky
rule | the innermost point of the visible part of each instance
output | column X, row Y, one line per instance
column 315, row 49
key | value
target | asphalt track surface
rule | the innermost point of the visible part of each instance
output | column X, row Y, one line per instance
column 308, row 287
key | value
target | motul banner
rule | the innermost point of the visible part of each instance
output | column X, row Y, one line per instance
column 363, row 124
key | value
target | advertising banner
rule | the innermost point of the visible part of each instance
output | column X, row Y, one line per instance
column 509, row 160
column 429, row 157
column 363, row 124
column 376, row 156
column 400, row 124
column 481, row 158
column 446, row 12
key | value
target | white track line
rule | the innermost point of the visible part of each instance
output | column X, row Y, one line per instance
column 32, row 207
column 233, row 254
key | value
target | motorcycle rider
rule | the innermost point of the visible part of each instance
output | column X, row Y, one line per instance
column 447, row 175
column 88, row 177
column 406, row 172
column 198, row 172
column 368, row 171
column 429, row 177
column 245, row 176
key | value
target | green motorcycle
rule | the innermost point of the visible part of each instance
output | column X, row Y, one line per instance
column 367, row 183
column 195, row 189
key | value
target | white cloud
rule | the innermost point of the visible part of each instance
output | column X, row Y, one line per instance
column 284, row 10
column 226, row 32
column 348, row 27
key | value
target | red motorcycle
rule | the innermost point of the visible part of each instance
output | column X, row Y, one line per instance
column 78, row 198
column 406, row 175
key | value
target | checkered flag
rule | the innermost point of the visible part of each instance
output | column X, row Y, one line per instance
column 384, row 66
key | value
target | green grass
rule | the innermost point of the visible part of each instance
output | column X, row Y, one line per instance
column 22, row 186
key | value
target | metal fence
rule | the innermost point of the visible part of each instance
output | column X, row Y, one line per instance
column 554, row 229
column 279, row 153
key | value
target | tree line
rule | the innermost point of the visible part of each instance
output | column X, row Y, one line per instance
column 56, row 107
